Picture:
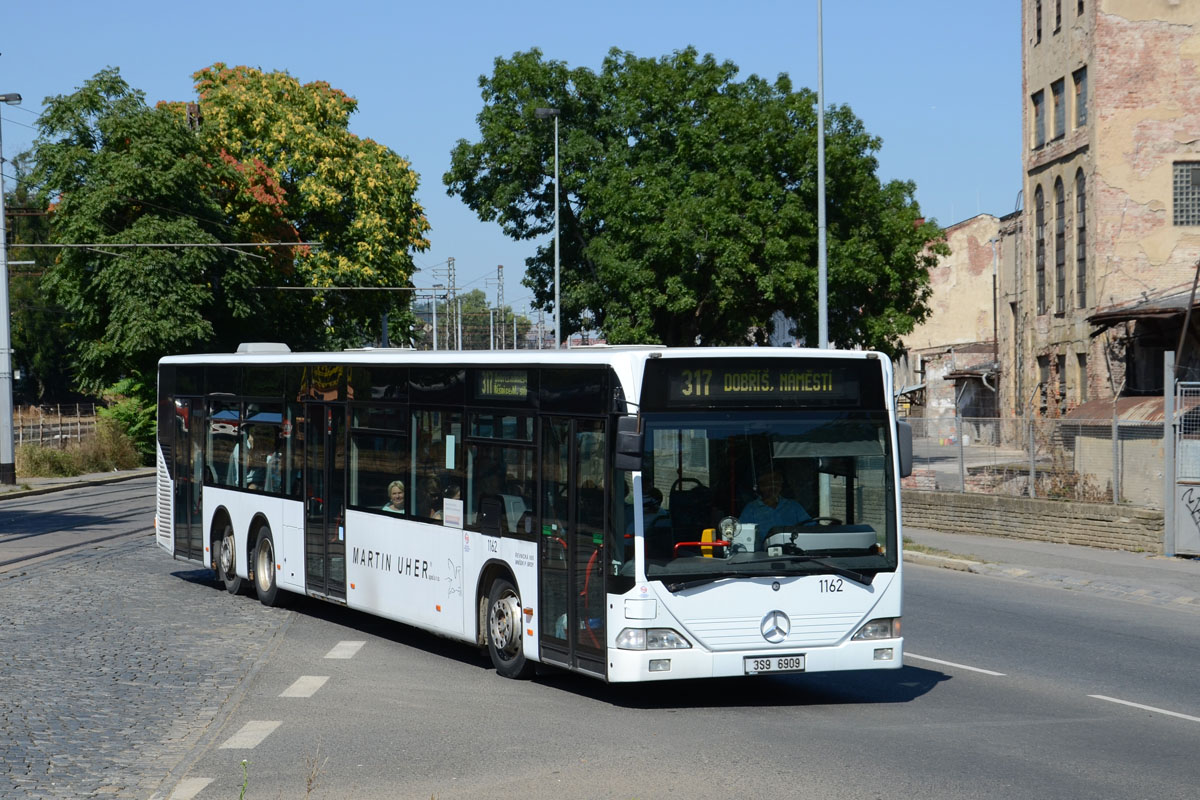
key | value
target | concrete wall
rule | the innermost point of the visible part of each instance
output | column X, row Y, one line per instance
column 1091, row 524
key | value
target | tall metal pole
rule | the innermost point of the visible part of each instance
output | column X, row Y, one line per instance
column 435, row 341
column 822, row 260
column 557, row 307
column 8, row 468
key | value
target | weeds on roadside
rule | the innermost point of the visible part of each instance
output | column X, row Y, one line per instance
column 110, row 449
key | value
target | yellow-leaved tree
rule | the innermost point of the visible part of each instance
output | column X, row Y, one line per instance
column 303, row 176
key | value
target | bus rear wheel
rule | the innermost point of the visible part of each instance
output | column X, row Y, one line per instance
column 227, row 561
column 264, row 569
column 504, row 631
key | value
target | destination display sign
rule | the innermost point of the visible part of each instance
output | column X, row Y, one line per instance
column 502, row 384
column 790, row 383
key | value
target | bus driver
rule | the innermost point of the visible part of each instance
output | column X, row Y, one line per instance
column 770, row 509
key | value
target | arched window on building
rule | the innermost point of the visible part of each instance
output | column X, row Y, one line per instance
column 1080, row 240
column 1060, row 247
column 1039, row 260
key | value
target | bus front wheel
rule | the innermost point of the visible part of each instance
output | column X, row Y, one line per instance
column 504, row 631
column 227, row 561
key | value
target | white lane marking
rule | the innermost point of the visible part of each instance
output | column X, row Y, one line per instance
column 952, row 664
column 345, row 650
column 305, row 686
column 251, row 735
column 1146, row 708
column 189, row 788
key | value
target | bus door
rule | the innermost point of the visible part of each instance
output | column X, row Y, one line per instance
column 571, row 544
column 324, row 499
column 189, row 477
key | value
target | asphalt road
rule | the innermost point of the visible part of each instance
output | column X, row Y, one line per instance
column 128, row 674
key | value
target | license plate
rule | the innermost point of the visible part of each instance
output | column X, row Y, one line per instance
column 760, row 665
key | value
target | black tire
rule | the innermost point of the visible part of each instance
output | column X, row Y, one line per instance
column 264, row 569
column 226, row 560
column 504, row 632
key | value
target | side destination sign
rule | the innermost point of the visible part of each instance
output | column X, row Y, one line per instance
column 721, row 383
column 502, row 384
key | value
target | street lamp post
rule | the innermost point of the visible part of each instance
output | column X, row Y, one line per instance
column 8, row 467
column 542, row 113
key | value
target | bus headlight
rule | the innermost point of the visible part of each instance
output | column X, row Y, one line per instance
column 887, row 628
column 651, row 639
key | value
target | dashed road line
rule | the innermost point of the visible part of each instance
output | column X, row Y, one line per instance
column 1188, row 717
column 251, row 735
column 305, row 686
column 345, row 649
column 952, row 664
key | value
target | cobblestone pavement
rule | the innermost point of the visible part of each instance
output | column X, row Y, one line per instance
column 116, row 663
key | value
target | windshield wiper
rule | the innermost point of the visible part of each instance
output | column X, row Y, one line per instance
column 678, row 586
column 837, row 569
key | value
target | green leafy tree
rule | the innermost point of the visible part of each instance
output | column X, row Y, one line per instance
column 117, row 173
column 688, row 209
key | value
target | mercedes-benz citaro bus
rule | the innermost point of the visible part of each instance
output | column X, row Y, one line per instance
column 631, row 513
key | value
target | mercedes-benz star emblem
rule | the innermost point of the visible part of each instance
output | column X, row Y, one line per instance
column 775, row 626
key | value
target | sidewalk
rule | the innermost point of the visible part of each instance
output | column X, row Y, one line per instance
column 1138, row 577
column 26, row 487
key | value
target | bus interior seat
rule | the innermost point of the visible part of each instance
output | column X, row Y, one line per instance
column 491, row 515
column 690, row 509
column 514, row 509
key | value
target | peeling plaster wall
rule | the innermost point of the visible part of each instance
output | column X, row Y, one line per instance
column 1142, row 59
column 961, row 303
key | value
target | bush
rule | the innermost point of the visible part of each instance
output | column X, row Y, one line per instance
column 110, row 449
column 132, row 406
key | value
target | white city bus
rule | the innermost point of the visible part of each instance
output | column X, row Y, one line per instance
column 574, row 508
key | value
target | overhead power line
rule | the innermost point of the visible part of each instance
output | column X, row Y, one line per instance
column 177, row 244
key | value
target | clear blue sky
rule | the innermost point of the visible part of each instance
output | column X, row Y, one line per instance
column 938, row 80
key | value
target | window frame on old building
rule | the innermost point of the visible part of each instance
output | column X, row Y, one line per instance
column 1060, row 247
column 1079, row 79
column 1039, row 258
column 1080, row 239
column 1186, row 192
column 1058, row 92
column 1038, row 99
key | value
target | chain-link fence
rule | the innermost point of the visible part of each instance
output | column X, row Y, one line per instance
column 1046, row 458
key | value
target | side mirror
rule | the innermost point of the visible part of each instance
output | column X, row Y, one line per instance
column 905, row 446
column 629, row 444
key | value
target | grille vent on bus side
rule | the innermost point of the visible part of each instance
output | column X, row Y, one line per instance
column 164, row 505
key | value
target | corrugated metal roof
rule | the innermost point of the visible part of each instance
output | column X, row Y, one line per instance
column 1138, row 409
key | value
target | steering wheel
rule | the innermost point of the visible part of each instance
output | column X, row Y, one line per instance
column 822, row 520
column 681, row 482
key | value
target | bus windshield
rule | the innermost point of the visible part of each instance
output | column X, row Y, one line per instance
column 767, row 493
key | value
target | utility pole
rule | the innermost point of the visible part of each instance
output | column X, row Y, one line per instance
column 8, row 465
column 452, row 302
column 500, row 299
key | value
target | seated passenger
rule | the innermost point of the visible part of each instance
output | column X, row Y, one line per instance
column 770, row 509
column 395, row 503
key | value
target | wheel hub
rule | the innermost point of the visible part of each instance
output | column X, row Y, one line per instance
column 227, row 555
column 505, row 634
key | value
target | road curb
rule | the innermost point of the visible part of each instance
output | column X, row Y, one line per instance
column 945, row 562
column 116, row 477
